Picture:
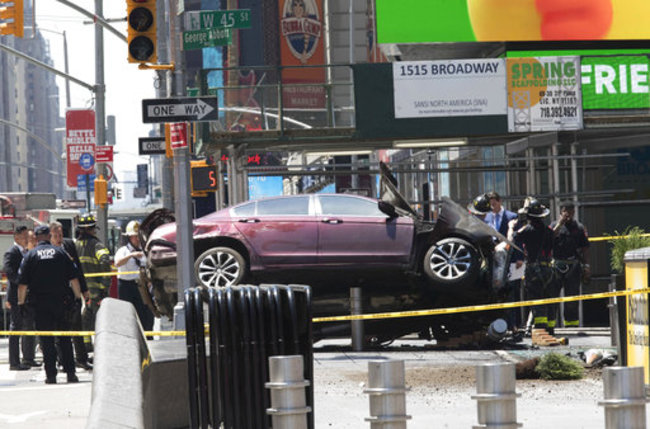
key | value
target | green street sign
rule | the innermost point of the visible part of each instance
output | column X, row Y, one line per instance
column 199, row 39
column 619, row 82
column 194, row 92
column 207, row 19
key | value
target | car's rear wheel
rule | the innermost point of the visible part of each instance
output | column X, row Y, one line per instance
column 220, row 267
column 452, row 261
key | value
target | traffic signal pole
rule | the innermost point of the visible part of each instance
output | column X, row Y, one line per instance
column 183, row 212
column 100, row 115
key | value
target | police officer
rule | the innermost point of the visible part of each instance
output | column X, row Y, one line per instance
column 95, row 258
column 480, row 206
column 536, row 239
column 47, row 272
column 74, row 313
column 570, row 253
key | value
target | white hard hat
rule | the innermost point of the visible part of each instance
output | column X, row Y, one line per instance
column 132, row 228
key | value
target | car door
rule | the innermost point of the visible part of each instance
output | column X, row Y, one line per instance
column 282, row 231
column 352, row 231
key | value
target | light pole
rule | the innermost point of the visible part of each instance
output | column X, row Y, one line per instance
column 65, row 60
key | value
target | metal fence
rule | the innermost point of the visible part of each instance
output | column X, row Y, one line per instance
column 247, row 324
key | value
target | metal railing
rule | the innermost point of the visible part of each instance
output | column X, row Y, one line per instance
column 247, row 325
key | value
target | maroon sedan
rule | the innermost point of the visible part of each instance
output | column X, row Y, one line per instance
column 339, row 239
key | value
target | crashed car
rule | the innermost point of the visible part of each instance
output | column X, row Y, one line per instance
column 333, row 242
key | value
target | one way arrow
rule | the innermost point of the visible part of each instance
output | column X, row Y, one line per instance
column 179, row 109
column 199, row 109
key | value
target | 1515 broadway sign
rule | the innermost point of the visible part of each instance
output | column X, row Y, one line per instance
column 619, row 82
column 426, row 89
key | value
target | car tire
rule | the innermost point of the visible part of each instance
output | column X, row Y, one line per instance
column 220, row 267
column 452, row 261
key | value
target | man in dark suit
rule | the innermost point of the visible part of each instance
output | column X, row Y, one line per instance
column 499, row 217
column 22, row 318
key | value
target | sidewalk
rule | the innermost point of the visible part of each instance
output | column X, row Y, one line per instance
column 27, row 402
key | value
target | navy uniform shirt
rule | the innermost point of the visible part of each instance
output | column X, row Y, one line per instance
column 47, row 271
column 571, row 237
column 537, row 241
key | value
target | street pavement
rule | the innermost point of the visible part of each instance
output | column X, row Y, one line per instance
column 441, row 381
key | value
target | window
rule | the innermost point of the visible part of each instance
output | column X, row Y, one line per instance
column 294, row 206
column 349, row 206
column 244, row 210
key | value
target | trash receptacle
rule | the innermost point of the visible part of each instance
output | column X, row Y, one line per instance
column 635, row 335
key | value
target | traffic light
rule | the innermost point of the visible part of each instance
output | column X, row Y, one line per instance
column 14, row 14
column 203, row 178
column 141, row 18
column 101, row 191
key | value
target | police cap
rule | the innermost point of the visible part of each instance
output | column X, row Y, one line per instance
column 41, row 230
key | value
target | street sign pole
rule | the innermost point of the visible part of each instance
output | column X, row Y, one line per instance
column 184, row 239
column 100, row 93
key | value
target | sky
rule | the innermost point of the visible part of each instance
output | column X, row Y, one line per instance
column 126, row 86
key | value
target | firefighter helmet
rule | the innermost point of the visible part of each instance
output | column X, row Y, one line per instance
column 87, row 221
column 480, row 205
column 536, row 208
column 132, row 228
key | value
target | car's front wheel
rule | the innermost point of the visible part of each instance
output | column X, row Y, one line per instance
column 452, row 261
column 220, row 267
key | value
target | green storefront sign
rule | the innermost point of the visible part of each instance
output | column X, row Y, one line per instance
column 619, row 82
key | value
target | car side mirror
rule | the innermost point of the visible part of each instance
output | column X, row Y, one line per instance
column 387, row 209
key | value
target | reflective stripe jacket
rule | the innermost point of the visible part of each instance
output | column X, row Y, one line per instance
column 94, row 258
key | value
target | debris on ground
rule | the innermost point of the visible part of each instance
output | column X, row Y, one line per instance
column 526, row 369
column 551, row 366
column 554, row 366
column 598, row 357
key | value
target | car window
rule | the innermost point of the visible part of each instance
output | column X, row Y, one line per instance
column 284, row 206
column 333, row 205
column 244, row 210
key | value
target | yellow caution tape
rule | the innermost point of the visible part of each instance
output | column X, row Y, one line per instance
column 484, row 307
column 614, row 237
column 110, row 273
column 374, row 316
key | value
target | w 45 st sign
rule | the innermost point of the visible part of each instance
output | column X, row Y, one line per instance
column 197, row 109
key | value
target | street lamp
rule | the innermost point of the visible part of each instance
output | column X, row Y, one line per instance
column 65, row 56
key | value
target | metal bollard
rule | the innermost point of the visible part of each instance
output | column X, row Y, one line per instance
column 356, row 326
column 496, row 397
column 387, row 392
column 288, row 405
column 624, row 398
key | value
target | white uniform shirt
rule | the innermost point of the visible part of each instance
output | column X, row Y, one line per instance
column 131, row 263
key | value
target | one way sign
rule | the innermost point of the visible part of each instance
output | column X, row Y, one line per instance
column 195, row 109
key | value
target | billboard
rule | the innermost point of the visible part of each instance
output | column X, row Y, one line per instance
column 618, row 82
column 80, row 143
column 427, row 89
column 544, row 94
column 429, row 21
column 301, row 44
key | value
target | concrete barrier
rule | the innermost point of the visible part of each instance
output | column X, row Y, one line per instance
column 135, row 384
